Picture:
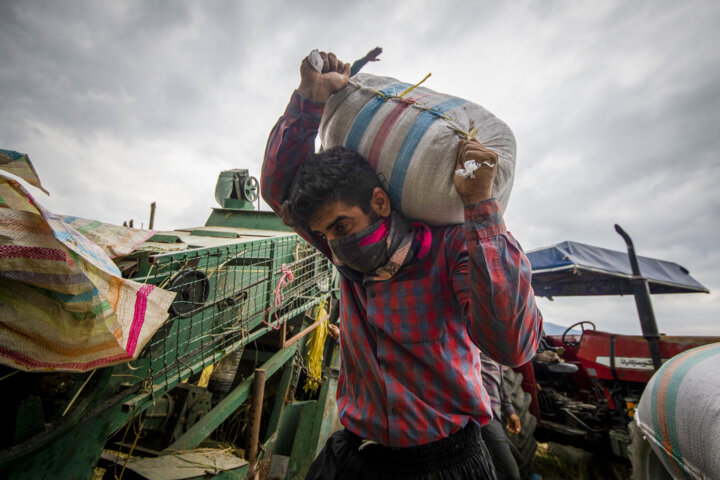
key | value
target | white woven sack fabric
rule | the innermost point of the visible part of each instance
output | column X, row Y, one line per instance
column 411, row 142
column 679, row 412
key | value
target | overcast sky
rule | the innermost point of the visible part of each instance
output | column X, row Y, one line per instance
column 614, row 105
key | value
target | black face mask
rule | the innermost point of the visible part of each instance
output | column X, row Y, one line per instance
column 365, row 250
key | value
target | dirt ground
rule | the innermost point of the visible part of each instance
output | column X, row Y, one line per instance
column 555, row 462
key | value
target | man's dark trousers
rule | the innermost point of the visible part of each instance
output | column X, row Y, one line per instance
column 460, row 456
column 497, row 443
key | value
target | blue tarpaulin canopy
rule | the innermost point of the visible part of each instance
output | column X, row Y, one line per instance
column 571, row 268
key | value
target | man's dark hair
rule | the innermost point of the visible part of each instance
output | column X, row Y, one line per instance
column 337, row 174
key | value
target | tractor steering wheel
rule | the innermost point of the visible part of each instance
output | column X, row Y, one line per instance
column 575, row 343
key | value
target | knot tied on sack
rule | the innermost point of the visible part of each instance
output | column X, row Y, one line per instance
column 470, row 167
column 469, row 135
column 400, row 97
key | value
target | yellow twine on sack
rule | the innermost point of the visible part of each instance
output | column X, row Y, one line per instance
column 315, row 347
column 463, row 133
column 415, row 86
column 468, row 135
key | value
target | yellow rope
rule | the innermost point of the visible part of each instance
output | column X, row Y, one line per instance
column 77, row 394
column 415, row 86
column 315, row 347
column 381, row 94
column 132, row 449
column 469, row 135
column 9, row 375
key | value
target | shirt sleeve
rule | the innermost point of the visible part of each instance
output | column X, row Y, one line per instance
column 506, row 405
column 291, row 141
column 491, row 277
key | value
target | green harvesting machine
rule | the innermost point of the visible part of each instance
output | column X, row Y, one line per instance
column 218, row 391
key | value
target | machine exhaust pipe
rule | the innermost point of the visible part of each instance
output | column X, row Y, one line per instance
column 641, row 290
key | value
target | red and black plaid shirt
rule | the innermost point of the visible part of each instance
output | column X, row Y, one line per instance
column 410, row 361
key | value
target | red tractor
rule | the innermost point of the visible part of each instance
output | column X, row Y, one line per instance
column 588, row 399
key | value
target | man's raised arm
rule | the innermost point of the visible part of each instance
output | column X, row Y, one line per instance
column 492, row 280
column 292, row 139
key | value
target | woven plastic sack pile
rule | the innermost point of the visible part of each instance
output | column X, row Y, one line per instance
column 410, row 137
column 63, row 303
column 679, row 411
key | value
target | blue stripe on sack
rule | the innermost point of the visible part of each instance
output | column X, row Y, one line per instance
column 86, row 296
column 412, row 139
column 363, row 119
column 673, row 391
column 67, row 237
column 12, row 154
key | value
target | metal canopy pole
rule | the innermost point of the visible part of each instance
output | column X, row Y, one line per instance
column 641, row 290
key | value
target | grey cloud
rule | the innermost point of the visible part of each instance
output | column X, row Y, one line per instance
column 614, row 105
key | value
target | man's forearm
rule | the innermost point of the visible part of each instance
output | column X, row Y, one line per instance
column 504, row 319
column 506, row 405
column 290, row 142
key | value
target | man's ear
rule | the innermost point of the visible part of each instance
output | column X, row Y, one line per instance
column 380, row 202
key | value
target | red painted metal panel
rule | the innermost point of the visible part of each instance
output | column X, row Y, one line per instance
column 632, row 354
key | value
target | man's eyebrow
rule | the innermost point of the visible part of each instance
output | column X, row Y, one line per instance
column 337, row 219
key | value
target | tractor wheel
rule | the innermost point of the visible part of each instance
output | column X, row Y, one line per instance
column 522, row 445
column 645, row 463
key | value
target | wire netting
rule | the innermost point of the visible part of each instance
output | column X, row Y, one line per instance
column 228, row 295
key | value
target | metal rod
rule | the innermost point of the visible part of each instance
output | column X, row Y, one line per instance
column 152, row 216
column 641, row 290
column 304, row 332
column 253, row 432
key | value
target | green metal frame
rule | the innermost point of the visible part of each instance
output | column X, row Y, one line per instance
column 188, row 343
column 200, row 431
column 253, row 219
column 318, row 420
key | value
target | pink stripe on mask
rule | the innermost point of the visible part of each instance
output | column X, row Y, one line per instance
column 377, row 235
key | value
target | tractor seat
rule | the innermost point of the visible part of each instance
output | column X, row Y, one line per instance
column 556, row 367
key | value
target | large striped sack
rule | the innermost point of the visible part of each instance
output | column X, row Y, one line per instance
column 679, row 411
column 64, row 305
column 410, row 137
column 19, row 164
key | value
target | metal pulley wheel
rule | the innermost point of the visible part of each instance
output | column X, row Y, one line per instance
column 192, row 289
column 250, row 189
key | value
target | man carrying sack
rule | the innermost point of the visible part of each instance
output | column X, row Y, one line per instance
column 415, row 302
